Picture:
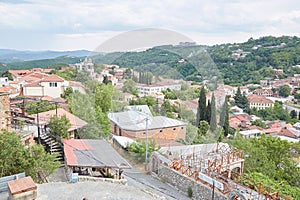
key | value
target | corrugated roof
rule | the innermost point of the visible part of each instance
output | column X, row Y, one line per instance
column 140, row 108
column 92, row 153
column 133, row 120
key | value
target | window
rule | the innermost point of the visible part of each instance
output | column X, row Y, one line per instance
column 53, row 84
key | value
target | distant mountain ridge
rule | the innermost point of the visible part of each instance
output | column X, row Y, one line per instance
column 11, row 55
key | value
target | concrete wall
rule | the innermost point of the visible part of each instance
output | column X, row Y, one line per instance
column 53, row 92
column 33, row 91
column 181, row 182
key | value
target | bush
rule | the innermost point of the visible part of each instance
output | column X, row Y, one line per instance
column 190, row 191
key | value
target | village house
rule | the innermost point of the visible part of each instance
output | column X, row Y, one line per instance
column 230, row 91
column 42, row 119
column 4, row 81
column 51, row 85
column 39, row 85
column 148, row 89
column 17, row 74
column 138, row 125
column 251, row 133
column 259, row 102
column 263, row 92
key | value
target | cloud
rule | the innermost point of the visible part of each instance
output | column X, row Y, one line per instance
column 73, row 20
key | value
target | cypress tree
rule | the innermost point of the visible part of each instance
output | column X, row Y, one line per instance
column 225, row 118
column 208, row 112
column 238, row 98
column 293, row 114
column 201, row 111
column 213, row 114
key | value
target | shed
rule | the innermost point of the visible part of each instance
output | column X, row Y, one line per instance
column 23, row 188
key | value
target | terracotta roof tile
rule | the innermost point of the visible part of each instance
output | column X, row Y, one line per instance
column 53, row 78
column 75, row 121
column 21, row 185
column 258, row 99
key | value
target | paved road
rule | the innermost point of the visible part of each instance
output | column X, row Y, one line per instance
column 153, row 185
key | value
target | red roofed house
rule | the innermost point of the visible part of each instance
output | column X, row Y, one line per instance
column 44, row 119
column 263, row 92
column 259, row 102
column 17, row 74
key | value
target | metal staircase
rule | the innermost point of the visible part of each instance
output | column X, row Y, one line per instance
column 52, row 146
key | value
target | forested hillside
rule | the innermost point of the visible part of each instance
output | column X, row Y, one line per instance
column 45, row 63
column 236, row 64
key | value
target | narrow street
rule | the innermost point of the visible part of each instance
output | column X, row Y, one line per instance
column 150, row 184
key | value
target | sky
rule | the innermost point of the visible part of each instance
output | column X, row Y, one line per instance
column 86, row 24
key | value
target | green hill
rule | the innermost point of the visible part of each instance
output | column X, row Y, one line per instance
column 235, row 64
column 45, row 63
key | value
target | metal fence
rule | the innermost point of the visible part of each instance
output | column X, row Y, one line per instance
column 4, row 180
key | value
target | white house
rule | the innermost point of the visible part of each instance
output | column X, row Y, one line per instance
column 146, row 89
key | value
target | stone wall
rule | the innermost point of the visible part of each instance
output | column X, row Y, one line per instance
column 5, row 118
column 181, row 182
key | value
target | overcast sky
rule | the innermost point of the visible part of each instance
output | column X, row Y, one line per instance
column 85, row 24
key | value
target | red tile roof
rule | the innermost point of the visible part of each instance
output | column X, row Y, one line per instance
column 286, row 132
column 33, row 76
column 76, row 122
column 53, row 78
column 33, row 84
column 258, row 99
column 19, row 72
column 21, row 185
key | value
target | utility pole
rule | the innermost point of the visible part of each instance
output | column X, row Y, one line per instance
column 38, row 126
column 147, row 119
column 213, row 190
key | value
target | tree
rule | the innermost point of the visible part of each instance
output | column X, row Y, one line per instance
column 208, row 112
column 105, row 80
column 103, row 97
column 271, row 157
column 293, row 114
column 15, row 158
column 42, row 163
column 213, row 114
column 201, row 111
column 241, row 100
column 259, row 123
column 203, row 128
column 138, row 149
column 59, row 126
column 224, row 118
column 127, row 74
column 67, row 93
column 201, row 132
column 130, row 87
column 284, row 91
